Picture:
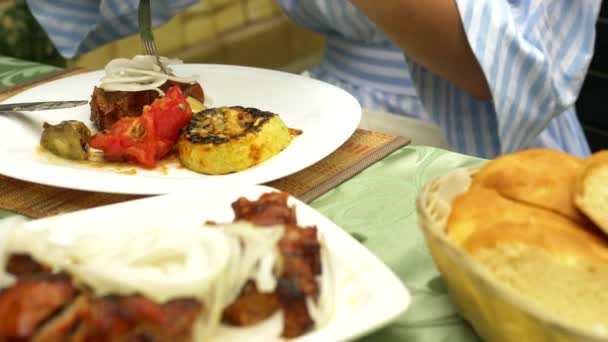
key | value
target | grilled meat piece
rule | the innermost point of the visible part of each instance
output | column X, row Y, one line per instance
column 43, row 307
column 300, row 250
column 251, row 306
column 135, row 318
column 131, row 318
column 270, row 209
column 30, row 302
column 64, row 325
column 230, row 139
column 22, row 265
column 296, row 319
column 109, row 106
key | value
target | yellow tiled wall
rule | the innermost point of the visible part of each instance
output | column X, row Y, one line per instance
column 244, row 32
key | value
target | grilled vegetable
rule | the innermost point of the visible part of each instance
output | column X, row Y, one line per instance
column 68, row 139
column 230, row 139
column 195, row 104
column 147, row 138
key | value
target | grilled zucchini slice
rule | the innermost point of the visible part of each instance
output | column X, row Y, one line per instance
column 230, row 139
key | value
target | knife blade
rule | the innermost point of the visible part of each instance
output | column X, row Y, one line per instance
column 34, row 106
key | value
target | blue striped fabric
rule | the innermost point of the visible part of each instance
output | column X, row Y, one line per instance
column 534, row 54
column 78, row 26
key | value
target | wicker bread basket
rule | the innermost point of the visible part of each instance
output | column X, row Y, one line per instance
column 496, row 312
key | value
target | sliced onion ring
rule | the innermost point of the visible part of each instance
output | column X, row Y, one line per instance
column 140, row 73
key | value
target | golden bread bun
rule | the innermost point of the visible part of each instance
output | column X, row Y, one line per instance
column 482, row 218
column 541, row 177
column 554, row 263
column 592, row 189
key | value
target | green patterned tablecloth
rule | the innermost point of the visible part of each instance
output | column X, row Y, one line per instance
column 377, row 205
column 15, row 71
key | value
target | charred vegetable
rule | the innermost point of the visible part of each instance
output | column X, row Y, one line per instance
column 68, row 139
column 147, row 138
column 195, row 104
column 230, row 139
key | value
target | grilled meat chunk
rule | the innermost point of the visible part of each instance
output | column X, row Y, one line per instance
column 270, row 209
column 64, row 325
column 109, row 106
column 43, row 307
column 251, row 306
column 135, row 318
column 300, row 251
column 30, row 302
column 22, row 265
column 231, row 139
column 296, row 319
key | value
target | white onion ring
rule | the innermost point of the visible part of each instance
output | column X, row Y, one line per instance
column 140, row 73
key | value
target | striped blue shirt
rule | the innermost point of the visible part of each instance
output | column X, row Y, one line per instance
column 534, row 54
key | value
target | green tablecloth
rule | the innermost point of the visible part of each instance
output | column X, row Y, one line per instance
column 377, row 205
column 15, row 71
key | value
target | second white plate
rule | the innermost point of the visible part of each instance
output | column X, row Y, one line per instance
column 368, row 294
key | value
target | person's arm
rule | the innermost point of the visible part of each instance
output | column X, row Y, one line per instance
column 430, row 32
column 534, row 55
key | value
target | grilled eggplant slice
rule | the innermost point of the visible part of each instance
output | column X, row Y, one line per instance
column 68, row 139
column 230, row 139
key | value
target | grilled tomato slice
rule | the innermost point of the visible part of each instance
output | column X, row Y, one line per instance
column 147, row 138
column 230, row 139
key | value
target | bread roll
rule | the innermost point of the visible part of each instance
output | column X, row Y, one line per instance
column 554, row 263
column 541, row 177
column 592, row 189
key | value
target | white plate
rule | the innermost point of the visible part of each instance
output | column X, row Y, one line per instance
column 327, row 115
column 369, row 295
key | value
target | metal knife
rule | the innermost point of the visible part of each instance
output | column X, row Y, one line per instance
column 33, row 106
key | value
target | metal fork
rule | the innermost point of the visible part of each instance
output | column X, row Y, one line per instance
column 145, row 31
